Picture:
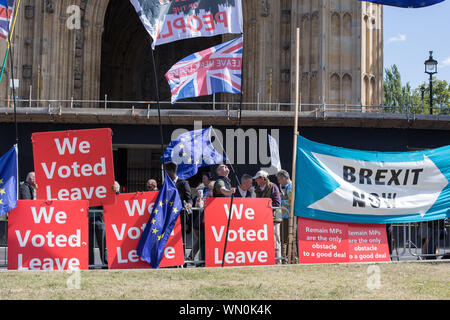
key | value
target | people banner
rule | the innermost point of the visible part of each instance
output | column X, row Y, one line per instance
column 167, row 21
column 74, row 165
column 345, row 185
column 125, row 221
column 48, row 235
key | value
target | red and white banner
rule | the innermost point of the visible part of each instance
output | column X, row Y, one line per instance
column 250, row 237
column 124, row 223
column 74, row 165
column 50, row 235
column 338, row 242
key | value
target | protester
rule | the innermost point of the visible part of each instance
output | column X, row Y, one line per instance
column 27, row 189
column 222, row 186
column 116, row 187
column 285, row 183
column 246, row 189
column 203, row 190
column 151, row 185
column 198, row 225
column 267, row 189
column 184, row 190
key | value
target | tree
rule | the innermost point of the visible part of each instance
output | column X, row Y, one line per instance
column 441, row 96
column 400, row 98
column 396, row 95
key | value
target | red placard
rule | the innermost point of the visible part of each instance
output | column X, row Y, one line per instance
column 367, row 243
column 124, row 223
column 251, row 234
column 74, row 165
column 338, row 242
column 50, row 235
column 322, row 241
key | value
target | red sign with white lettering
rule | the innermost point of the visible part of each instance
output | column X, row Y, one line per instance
column 124, row 223
column 251, row 235
column 74, row 165
column 338, row 242
column 50, row 235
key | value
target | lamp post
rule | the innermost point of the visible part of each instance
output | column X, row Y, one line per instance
column 431, row 68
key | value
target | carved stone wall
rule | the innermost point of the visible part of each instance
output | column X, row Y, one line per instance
column 341, row 52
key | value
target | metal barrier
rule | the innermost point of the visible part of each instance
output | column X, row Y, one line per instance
column 106, row 104
column 422, row 241
column 408, row 241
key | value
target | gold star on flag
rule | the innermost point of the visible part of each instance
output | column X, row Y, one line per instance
column 184, row 154
column 155, row 231
column 181, row 146
column 1, row 201
column 1, row 181
column 175, row 210
column 156, row 211
column 161, row 203
column 160, row 237
column 171, row 204
column 153, row 221
column 189, row 160
column 2, row 191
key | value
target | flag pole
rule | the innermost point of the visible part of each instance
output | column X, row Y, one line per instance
column 9, row 35
column 291, row 226
column 11, row 59
column 159, row 113
column 242, row 84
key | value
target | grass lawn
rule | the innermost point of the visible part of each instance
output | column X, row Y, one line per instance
column 346, row 281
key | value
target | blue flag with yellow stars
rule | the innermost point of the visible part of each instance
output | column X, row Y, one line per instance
column 160, row 225
column 8, row 181
column 406, row 3
column 192, row 150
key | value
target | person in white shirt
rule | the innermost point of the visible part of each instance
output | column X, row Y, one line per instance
column 246, row 189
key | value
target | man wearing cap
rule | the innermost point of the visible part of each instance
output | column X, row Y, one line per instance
column 267, row 189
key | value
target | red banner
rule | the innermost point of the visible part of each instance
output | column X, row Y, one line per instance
column 251, row 234
column 50, row 235
column 74, row 165
column 124, row 223
column 337, row 242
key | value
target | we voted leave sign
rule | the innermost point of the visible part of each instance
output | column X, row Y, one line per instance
column 250, row 236
column 74, row 165
column 48, row 235
column 345, row 185
column 125, row 221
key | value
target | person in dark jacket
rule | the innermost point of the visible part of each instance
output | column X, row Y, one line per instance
column 245, row 189
column 27, row 189
column 222, row 186
column 184, row 190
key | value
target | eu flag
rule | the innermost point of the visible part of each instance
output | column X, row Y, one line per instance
column 160, row 225
column 406, row 3
column 192, row 150
column 8, row 181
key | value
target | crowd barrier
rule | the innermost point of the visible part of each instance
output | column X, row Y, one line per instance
column 407, row 241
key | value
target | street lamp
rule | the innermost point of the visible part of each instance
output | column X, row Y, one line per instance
column 431, row 68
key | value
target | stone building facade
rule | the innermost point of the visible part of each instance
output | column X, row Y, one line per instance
column 107, row 52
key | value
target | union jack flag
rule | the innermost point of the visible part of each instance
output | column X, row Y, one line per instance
column 217, row 69
column 6, row 12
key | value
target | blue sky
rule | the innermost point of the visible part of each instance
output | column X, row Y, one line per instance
column 408, row 36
